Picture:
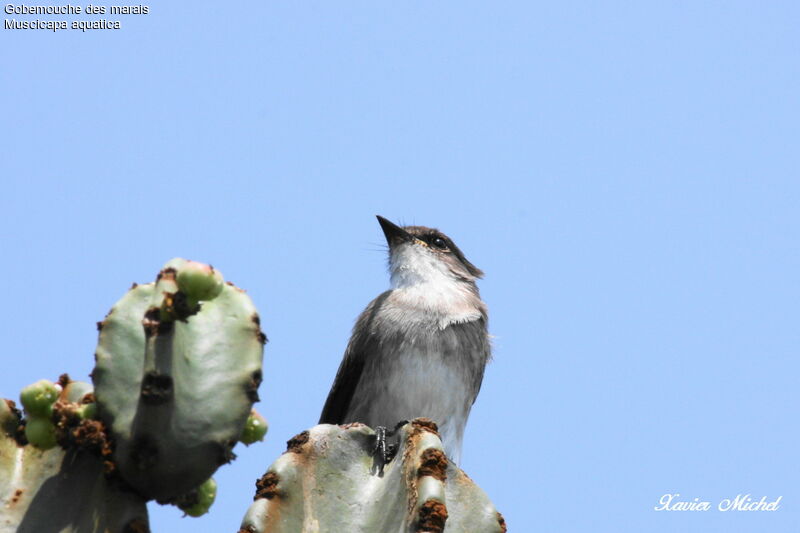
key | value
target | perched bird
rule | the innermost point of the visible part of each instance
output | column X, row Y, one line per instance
column 420, row 348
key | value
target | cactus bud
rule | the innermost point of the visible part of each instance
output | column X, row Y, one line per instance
column 87, row 411
column 38, row 398
column 199, row 281
column 254, row 429
column 202, row 499
column 40, row 432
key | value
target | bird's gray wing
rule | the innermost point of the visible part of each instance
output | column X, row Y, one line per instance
column 362, row 343
column 468, row 343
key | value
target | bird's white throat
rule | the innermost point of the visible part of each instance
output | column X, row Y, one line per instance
column 425, row 282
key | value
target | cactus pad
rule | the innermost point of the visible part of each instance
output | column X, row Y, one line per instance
column 327, row 481
column 64, row 490
column 175, row 380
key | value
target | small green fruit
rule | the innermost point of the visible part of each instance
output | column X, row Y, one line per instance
column 254, row 429
column 199, row 281
column 40, row 432
column 88, row 411
column 206, row 494
column 38, row 398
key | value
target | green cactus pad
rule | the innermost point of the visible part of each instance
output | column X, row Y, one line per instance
column 63, row 490
column 176, row 392
column 327, row 482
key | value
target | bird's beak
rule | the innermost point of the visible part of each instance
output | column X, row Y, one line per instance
column 394, row 233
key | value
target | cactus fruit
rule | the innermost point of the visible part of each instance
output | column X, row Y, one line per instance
column 176, row 375
column 254, row 429
column 40, row 432
column 60, row 489
column 328, row 481
column 38, row 398
column 198, row 501
column 199, row 282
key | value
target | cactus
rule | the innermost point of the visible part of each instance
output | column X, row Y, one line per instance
column 176, row 378
column 327, row 481
column 178, row 365
column 64, row 488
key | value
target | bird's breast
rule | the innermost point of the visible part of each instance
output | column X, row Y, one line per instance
column 415, row 371
column 434, row 305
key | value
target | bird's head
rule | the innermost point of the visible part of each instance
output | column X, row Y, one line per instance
column 425, row 255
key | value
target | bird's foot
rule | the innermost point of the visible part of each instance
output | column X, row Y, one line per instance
column 397, row 427
column 383, row 453
column 380, row 453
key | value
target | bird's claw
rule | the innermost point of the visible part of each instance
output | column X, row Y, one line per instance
column 383, row 452
column 397, row 427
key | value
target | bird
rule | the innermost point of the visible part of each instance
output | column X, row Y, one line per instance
column 419, row 349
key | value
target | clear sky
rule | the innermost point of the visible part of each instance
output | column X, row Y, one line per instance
column 626, row 174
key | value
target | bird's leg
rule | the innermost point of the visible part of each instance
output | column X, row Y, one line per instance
column 379, row 453
column 397, row 428
column 383, row 452
column 391, row 449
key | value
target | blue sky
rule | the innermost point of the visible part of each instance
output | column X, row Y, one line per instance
column 625, row 174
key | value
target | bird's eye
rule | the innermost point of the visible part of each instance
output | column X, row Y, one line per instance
column 439, row 243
